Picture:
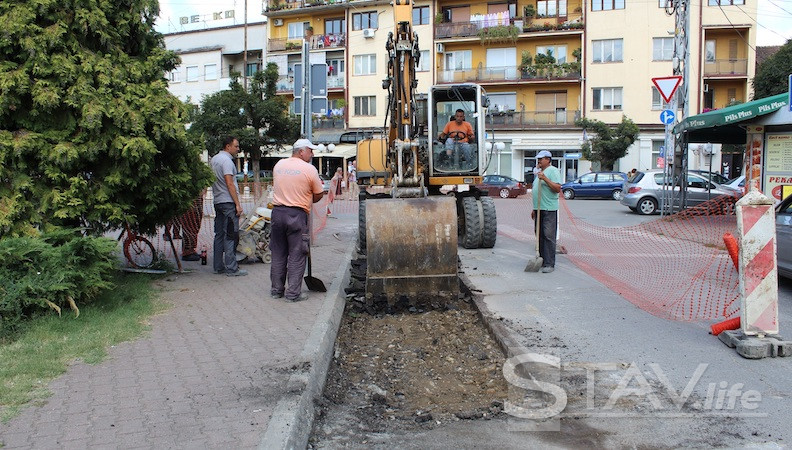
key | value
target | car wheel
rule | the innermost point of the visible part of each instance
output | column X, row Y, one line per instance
column 569, row 194
column 504, row 193
column 616, row 194
column 647, row 206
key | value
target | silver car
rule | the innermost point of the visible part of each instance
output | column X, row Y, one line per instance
column 643, row 193
column 784, row 237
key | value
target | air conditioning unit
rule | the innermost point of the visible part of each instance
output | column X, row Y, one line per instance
column 278, row 22
column 368, row 33
column 706, row 87
column 439, row 48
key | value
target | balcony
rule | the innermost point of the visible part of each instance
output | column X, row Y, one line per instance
column 521, row 120
column 479, row 28
column 286, row 6
column 511, row 73
column 327, row 41
column 284, row 44
column 327, row 123
column 726, row 67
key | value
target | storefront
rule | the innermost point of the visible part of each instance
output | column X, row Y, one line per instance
column 763, row 127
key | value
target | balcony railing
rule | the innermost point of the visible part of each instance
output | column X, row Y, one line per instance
column 319, row 41
column 473, row 28
column 519, row 120
column 281, row 44
column 287, row 5
column 335, row 122
column 286, row 82
column 726, row 67
column 509, row 73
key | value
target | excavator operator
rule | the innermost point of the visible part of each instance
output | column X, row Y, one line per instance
column 458, row 129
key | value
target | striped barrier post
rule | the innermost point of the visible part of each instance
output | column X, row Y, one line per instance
column 757, row 273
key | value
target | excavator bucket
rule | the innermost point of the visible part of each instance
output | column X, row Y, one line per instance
column 412, row 249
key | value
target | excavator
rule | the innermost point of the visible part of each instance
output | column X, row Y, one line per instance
column 418, row 199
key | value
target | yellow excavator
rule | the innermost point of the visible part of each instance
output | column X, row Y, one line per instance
column 418, row 197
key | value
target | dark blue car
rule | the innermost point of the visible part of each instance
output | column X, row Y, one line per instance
column 595, row 184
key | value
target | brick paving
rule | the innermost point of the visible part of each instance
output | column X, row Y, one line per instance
column 207, row 375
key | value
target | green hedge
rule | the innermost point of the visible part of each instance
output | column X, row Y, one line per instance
column 51, row 272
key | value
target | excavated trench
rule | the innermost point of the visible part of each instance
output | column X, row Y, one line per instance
column 399, row 367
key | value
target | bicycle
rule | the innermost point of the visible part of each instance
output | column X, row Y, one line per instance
column 138, row 250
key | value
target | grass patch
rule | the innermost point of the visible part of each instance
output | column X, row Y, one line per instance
column 47, row 345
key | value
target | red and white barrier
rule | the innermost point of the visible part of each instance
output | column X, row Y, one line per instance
column 757, row 272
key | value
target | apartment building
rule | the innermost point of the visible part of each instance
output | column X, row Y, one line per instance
column 543, row 63
column 209, row 56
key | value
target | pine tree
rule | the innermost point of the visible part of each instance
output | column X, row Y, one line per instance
column 89, row 134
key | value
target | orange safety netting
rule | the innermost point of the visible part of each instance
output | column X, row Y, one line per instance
column 676, row 267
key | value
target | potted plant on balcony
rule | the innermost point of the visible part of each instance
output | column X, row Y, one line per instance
column 308, row 32
column 525, row 64
column 439, row 17
column 500, row 33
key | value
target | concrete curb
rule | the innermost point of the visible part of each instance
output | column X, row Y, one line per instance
column 292, row 420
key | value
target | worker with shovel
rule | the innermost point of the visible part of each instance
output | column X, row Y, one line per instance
column 546, row 187
column 296, row 186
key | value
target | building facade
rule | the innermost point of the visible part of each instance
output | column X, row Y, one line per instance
column 543, row 63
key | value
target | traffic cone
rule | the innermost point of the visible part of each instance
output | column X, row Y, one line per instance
column 730, row 324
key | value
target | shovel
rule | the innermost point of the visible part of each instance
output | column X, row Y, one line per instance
column 535, row 264
column 314, row 284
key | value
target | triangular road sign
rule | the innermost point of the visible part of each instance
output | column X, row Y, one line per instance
column 667, row 86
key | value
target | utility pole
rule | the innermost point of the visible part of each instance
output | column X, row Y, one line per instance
column 678, row 150
column 245, row 60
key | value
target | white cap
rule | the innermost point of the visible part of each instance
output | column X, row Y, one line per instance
column 544, row 154
column 304, row 143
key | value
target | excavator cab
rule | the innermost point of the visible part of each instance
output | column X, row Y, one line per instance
column 454, row 150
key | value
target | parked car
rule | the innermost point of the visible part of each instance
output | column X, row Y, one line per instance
column 713, row 176
column 240, row 176
column 502, row 186
column 325, row 183
column 643, row 193
column 736, row 183
column 595, row 184
column 784, row 237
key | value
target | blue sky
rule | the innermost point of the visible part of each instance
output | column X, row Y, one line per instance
column 775, row 16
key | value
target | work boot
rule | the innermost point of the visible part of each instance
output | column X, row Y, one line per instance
column 301, row 297
column 238, row 273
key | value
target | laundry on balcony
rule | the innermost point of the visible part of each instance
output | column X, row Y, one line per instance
column 327, row 41
column 490, row 20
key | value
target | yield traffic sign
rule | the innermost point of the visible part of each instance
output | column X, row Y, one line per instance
column 667, row 86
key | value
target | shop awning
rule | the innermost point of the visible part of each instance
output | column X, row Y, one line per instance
column 733, row 114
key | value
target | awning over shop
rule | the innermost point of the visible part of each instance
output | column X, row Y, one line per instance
column 721, row 125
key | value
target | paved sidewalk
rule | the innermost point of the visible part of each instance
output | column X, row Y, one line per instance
column 210, row 373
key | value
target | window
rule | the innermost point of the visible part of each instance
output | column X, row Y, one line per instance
column 607, row 98
column 559, row 52
column 365, row 64
column 173, row 76
column 459, row 60
column 608, row 50
column 192, row 73
column 252, row 68
column 297, row 29
column 425, row 64
column 420, row 15
column 366, row 106
column 551, row 8
column 605, row 5
column 502, row 63
column 709, row 51
column 658, row 103
column 656, row 146
column 662, row 49
column 500, row 102
column 364, row 20
column 335, row 67
column 731, row 94
column 210, row 72
column 725, row 2
column 588, row 178
column 335, row 26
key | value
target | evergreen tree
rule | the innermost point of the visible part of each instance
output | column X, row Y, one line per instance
column 772, row 76
column 607, row 144
column 89, row 134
